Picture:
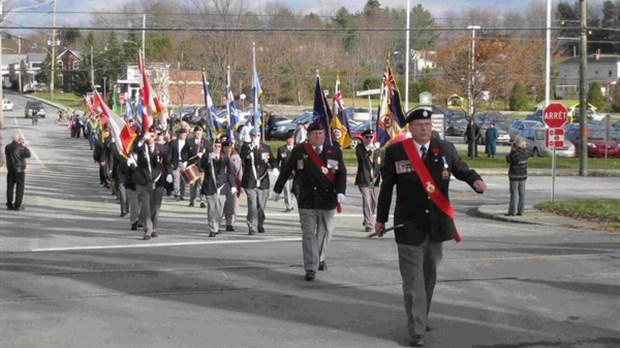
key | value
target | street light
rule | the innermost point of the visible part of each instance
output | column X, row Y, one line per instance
column 472, row 80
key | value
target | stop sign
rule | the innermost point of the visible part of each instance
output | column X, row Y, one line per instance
column 555, row 115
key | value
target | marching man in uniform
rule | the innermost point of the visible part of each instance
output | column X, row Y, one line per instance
column 368, row 177
column 420, row 167
column 218, row 181
column 319, row 185
column 257, row 159
column 284, row 153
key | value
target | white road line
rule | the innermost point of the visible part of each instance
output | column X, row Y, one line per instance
column 34, row 154
column 152, row 245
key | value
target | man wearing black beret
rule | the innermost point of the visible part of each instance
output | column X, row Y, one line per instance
column 368, row 176
column 421, row 167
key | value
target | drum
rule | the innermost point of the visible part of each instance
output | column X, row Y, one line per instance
column 191, row 174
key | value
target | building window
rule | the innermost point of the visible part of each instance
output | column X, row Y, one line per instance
column 60, row 64
column 76, row 65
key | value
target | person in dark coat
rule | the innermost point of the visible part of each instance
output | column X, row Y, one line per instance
column 472, row 133
column 319, row 188
column 191, row 153
column 368, row 177
column 100, row 156
column 284, row 153
column 490, row 140
column 517, row 175
column 423, row 216
column 15, row 154
column 176, row 160
column 218, row 182
column 257, row 160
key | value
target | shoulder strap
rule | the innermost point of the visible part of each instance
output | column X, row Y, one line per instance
column 319, row 163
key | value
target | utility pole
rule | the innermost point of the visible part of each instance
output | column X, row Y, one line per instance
column 583, row 91
column 143, row 37
column 53, row 49
column 19, row 58
column 92, row 70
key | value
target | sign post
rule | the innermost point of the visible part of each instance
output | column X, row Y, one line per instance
column 554, row 116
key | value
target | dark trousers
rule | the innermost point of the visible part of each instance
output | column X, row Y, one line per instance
column 15, row 181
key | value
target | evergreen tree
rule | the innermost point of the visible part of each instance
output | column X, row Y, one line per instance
column 518, row 98
column 595, row 96
column 44, row 75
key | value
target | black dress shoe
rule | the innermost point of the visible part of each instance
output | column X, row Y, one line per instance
column 230, row 229
column 519, row 214
column 309, row 276
column 191, row 204
column 509, row 214
column 146, row 237
column 21, row 207
column 261, row 230
column 428, row 328
column 134, row 226
column 154, row 234
column 322, row 266
column 251, row 233
column 202, row 205
column 212, row 234
column 9, row 206
column 123, row 214
column 417, row 341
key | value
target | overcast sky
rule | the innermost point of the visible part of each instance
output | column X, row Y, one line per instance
column 322, row 7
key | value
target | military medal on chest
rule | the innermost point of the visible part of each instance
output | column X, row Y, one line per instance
column 445, row 173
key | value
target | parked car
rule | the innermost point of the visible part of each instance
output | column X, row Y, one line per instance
column 596, row 142
column 535, row 142
column 359, row 114
column 456, row 127
column 289, row 127
column 32, row 105
column 7, row 105
column 517, row 126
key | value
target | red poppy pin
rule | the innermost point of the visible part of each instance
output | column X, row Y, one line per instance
column 329, row 152
column 436, row 151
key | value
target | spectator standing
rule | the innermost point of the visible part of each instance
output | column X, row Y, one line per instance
column 517, row 175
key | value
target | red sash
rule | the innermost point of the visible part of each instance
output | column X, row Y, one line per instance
column 321, row 166
column 429, row 184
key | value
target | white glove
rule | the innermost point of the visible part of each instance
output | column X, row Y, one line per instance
column 146, row 136
column 275, row 196
column 169, row 178
column 233, row 190
column 131, row 161
column 211, row 155
column 199, row 154
column 256, row 142
column 184, row 164
column 341, row 198
column 276, row 172
column 377, row 145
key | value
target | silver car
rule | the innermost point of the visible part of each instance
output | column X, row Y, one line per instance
column 518, row 126
column 535, row 142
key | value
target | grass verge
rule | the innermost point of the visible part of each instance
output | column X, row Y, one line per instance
column 69, row 100
column 605, row 211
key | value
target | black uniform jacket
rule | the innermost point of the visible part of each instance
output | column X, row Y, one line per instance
column 367, row 160
column 263, row 160
column 413, row 207
column 160, row 167
column 191, row 149
column 311, row 187
column 283, row 155
column 219, row 173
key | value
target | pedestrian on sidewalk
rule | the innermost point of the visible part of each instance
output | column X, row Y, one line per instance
column 517, row 174
column 490, row 140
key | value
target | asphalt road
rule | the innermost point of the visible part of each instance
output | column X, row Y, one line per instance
column 72, row 274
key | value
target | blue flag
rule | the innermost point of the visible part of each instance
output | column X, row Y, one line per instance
column 256, row 92
column 208, row 105
column 322, row 112
column 390, row 116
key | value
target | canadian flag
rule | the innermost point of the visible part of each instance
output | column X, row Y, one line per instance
column 148, row 102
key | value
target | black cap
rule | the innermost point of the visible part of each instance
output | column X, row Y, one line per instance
column 290, row 135
column 182, row 130
column 419, row 114
column 315, row 126
column 197, row 128
column 368, row 132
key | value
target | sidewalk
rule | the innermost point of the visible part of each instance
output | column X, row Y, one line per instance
column 532, row 216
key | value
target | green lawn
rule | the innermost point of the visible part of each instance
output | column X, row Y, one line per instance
column 69, row 100
column 605, row 211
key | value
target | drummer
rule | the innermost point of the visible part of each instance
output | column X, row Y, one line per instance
column 218, row 182
column 195, row 147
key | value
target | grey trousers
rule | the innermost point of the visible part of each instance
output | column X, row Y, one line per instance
column 517, row 192
column 369, row 205
column 317, row 228
column 134, row 205
column 178, row 183
column 231, row 208
column 157, row 196
column 144, row 197
column 418, row 268
column 122, row 195
column 257, row 201
column 215, row 210
column 194, row 191
column 288, row 194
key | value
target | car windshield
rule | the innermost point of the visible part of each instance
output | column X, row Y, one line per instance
column 305, row 118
